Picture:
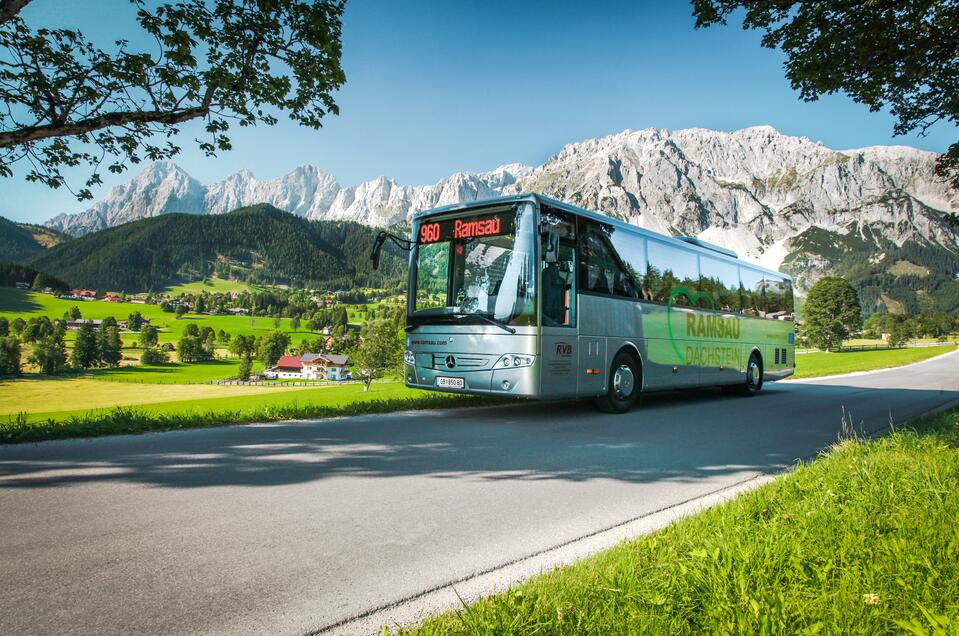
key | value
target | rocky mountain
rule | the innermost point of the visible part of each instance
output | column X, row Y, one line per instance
column 773, row 198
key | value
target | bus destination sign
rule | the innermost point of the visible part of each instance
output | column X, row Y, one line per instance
column 468, row 228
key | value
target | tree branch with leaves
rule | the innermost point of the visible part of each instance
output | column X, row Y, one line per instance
column 68, row 102
column 898, row 55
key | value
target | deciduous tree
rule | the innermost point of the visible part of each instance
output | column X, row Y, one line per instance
column 49, row 355
column 379, row 352
column 71, row 101
column 135, row 321
column 272, row 347
column 831, row 312
column 896, row 55
column 149, row 336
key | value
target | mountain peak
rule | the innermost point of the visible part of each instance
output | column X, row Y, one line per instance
column 752, row 189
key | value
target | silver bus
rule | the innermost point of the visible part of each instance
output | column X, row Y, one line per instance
column 525, row 296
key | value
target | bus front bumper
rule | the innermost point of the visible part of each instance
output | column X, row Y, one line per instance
column 513, row 382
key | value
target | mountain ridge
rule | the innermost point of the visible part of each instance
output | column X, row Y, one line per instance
column 766, row 195
column 258, row 244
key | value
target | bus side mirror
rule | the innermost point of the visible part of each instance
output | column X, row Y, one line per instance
column 377, row 246
column 551, row 255
column 381, row 236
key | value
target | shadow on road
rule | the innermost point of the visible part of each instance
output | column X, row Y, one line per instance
column 673, row 436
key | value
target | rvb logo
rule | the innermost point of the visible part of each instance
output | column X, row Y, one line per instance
column 564, row 349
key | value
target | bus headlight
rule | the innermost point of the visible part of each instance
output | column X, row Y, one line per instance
column 514, row 360
column 408, row 358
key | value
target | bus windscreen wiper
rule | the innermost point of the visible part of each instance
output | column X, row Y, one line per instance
column 491, row 320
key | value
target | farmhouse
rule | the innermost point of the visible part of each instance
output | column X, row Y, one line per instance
column 324, row 366
column 310, row 366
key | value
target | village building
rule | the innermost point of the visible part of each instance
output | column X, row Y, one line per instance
column 73, row 325
column 310, row 366
column 83, row 294
column 325, row 366
column 286, row 368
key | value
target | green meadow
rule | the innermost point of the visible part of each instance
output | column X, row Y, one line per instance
column 811, row 365
column 85, row 397
column 24, row 304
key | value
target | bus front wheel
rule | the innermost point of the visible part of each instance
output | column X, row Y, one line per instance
column 623, row 386
column 754, row 377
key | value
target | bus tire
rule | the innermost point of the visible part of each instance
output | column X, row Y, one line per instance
column 624, row 385
column 754, row 377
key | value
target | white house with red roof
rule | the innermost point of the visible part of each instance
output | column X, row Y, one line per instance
column 286, row 368
column 310, row 366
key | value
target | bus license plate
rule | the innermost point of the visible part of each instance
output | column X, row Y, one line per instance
column 453, row 383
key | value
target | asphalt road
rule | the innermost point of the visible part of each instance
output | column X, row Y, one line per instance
column 290, row 527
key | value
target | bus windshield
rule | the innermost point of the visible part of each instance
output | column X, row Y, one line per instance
column 476, row 269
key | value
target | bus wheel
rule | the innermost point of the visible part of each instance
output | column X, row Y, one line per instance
column 754, row 377
column 623, row 387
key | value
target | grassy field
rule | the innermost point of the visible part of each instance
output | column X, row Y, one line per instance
column 863, row 540
column 266, row 406
column 211, row 286
column 74, row 396
column 198, row 373
column 811, row 365
column 18, row 302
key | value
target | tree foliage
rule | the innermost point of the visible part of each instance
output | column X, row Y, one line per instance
column 272, row 346
column 49, row 355
column 86, row 350
column 896, row 55
column 9, row 355
column 379, row 352
column 153, row 356
column 71, row 101
column 109, row 345
column 149, row 336
column 831, row 312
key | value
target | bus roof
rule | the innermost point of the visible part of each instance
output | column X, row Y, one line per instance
column 690, row 243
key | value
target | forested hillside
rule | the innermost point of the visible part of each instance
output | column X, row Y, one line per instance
column 917, row 276
column 258, row 244
column 21, row 241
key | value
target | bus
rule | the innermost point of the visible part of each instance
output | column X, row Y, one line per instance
column 525, row 296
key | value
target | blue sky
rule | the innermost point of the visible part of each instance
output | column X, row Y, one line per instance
column 439, row 87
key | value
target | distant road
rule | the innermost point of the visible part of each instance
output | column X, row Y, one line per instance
column 290, row 527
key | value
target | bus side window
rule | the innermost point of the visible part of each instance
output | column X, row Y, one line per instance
column 671, row 268
column 720, row 279
column 600, row 268
column 753, row 291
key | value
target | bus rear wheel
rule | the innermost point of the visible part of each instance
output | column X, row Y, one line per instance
column 623, row 387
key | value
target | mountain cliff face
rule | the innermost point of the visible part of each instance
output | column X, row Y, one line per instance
column 771, row 197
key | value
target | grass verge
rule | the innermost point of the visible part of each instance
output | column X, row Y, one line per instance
column 812, row 365
column 862, row 540
column 20, row 428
